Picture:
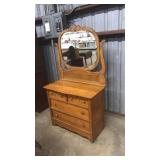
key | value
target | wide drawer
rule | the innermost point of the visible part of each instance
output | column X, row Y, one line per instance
column 78, row 123
column 57, row 96
column 79, row 101
column 70, row 109
column 72, row 128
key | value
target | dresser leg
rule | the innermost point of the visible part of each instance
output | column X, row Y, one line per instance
column 91, row 139
column 53, row 123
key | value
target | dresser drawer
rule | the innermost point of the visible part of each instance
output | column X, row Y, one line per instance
column 75, row 122
column 70, row 110
column 79, row 101
column 72, row 128
column 57, row 96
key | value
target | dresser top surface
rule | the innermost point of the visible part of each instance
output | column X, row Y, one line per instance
column 74, row 88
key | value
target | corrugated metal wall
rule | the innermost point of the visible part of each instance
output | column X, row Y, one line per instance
column 66, row 7
column 104, row 20
column 49, row 53
column 114, row 51
column 44, row 9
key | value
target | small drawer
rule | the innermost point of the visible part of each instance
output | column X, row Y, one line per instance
column 70, row 110
column 79, row 101
column 75, row 122
column 57, row 96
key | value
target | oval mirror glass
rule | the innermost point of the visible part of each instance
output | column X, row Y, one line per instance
column 79, row 49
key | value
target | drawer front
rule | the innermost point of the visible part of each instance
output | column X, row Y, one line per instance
column 79, row 101
column 57, row 96
column 83, row 125
column 70, row 109
column 73, row 129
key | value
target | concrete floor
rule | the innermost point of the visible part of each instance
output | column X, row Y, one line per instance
column 56, row 141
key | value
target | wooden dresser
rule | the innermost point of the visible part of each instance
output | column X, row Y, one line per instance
column 76, row 101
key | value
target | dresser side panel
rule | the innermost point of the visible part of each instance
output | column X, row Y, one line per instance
column 97, row 118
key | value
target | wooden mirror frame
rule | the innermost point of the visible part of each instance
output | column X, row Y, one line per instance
column 82, row 74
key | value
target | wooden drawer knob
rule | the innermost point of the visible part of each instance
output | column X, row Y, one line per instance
column 56, row 115
column 82, row 113
column 52, row 93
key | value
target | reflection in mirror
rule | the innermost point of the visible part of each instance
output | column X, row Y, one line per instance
column 79, row 48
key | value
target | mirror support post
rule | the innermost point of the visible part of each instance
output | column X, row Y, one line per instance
column 59, row 62
column 103, row 70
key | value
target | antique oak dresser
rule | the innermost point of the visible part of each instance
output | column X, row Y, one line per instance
column 76, row 100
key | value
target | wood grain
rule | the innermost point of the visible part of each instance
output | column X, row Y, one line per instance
column 81, row 102
column 97, row 114
column 57, row 96
column 70, row 110
column 83, row 125
column 73, row 88
column 72, row 128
